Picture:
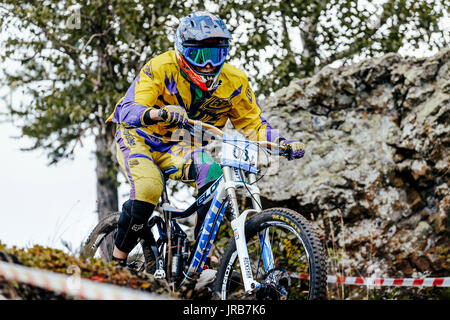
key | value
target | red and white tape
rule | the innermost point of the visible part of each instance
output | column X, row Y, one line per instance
column 72, row 286
column 391, row 282
column 387, row 282
column 86, row 289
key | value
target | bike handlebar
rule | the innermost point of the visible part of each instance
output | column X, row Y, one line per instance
column 220, row 133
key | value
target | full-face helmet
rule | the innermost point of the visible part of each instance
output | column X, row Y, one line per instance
column 202, row 42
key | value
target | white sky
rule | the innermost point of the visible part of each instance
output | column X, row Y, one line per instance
column 44, row 205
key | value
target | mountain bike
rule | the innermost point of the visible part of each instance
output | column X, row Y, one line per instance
column 275, row 254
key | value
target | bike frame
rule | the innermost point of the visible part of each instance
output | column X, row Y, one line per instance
column 222, row 193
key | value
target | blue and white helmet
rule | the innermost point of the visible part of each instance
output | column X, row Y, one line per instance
column 201, row 39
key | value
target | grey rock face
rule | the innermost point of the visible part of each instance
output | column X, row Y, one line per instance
column 376, row 170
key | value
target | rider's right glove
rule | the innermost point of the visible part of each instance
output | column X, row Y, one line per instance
column 174, row 115
column 295, row 149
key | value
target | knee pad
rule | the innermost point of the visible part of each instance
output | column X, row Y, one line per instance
column 132, row 223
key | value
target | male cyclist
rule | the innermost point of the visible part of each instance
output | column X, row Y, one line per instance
column 193, row 81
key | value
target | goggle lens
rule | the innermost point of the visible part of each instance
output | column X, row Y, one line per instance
column 200, row 57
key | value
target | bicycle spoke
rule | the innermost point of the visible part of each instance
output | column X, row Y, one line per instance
column 290, row 258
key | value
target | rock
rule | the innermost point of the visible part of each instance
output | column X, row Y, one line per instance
column 421, row 263
column 377, row 136
column 419, row 168
column 414, row 200
column 422, row 230
column 405, row 267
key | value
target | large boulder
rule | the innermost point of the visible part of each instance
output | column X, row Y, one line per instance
column 375, row 175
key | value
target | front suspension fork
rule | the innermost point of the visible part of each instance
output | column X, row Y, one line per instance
column 238, row 226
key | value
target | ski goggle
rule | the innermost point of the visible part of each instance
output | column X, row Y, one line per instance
column 200, row 57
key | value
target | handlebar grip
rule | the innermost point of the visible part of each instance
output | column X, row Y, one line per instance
column 273, row 145
column 287, row 150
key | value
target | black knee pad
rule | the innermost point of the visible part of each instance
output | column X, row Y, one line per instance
column 132, row 223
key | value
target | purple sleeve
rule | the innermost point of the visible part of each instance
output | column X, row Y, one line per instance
column 140, row 96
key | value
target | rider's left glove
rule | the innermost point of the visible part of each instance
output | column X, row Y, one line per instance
column 295, row 149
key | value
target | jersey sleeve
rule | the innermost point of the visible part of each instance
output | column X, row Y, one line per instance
column 246, row 117
column 140, row 96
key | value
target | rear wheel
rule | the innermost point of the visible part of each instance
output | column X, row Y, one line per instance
column 100, row 244
column 298, row 270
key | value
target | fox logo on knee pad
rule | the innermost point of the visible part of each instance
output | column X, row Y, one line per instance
column 137, row 227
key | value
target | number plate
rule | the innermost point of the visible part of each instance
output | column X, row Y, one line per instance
column 239, row 152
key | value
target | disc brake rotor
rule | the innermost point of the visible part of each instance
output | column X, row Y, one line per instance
column 275, row 286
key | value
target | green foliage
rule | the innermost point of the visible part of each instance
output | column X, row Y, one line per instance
column 94, row 269
column 299, row 37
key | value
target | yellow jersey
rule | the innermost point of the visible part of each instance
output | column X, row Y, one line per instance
column 161, row 83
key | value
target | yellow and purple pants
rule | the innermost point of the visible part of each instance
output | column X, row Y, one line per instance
column 140, row 155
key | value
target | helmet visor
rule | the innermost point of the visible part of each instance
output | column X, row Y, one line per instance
column 200, row 57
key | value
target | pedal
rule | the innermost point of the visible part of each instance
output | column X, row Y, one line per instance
column 160, row 274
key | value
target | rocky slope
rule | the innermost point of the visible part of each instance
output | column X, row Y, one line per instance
column 375, row 176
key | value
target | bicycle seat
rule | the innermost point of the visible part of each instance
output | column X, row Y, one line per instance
column 168, row 171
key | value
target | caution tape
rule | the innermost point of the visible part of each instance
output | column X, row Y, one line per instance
column 387, row 282
column 73, row 286
column 391, row 282
column 90, row 290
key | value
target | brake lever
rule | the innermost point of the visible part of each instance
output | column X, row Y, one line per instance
column 189, row 127
column 279, row 151
column 286, row 152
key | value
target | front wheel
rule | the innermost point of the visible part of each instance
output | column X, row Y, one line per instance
column 286, row 255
